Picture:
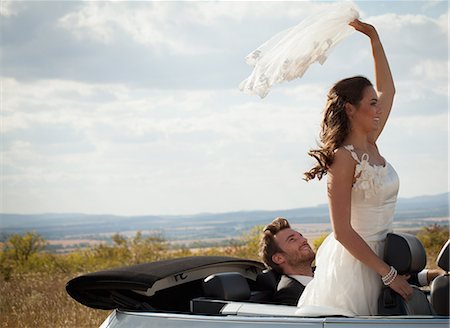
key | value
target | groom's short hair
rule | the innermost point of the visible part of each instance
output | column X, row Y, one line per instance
column 268, row 246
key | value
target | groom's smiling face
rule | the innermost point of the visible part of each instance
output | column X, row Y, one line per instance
column 294, row 246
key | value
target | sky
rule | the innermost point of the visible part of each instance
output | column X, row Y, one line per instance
column 133, row 108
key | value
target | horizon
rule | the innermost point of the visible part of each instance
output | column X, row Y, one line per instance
column 64, row 230
column 400, row 199
column 134, row 107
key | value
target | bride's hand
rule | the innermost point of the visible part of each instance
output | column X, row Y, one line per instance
column 364, row 28
column 402, row 287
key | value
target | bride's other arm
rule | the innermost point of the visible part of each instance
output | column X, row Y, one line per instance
column 339, row 187
column 383, row 77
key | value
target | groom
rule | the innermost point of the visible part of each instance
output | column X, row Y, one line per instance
column 287, row 252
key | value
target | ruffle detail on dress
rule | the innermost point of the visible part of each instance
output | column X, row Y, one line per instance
column 369, row 178
column 288, row 54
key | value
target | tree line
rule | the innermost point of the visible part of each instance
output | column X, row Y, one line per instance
column 25, row 253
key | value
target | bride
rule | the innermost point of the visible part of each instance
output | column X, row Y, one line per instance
column 362, row 192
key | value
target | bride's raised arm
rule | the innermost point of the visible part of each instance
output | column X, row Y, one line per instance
column 383, row 76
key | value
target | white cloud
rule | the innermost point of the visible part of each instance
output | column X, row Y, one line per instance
column 407, row 27
column 135, row 112
column 156, row 24
column 164, row 25
column 92, row 21
column 142, row 137
column 108, row 141
column 431, row 70
column 11, row 7
column 431, row 4
column 207, row 13
column 443, row 22
column 417, row 145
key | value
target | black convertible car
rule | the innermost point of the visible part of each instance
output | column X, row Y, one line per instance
column 210, row 291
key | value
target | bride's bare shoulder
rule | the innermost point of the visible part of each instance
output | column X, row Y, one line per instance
column 343, row 157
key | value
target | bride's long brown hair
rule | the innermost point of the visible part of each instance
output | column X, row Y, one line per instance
column 335, row 125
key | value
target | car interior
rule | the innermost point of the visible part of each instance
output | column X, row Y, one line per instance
column 218, row 286
column 403, row 251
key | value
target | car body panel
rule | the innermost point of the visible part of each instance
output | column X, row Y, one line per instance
column 120, row 319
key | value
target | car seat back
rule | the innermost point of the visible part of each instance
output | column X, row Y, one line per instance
column 407, row 255
column 221, row 288
column 229, row 286
column 391, row 303
column 440, row 286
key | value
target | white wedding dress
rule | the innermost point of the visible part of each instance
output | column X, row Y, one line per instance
column 343, row 285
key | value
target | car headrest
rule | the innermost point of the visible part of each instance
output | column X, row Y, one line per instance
column 268, row 279
column 442, row 259
column 230, row 286
column 405, row 253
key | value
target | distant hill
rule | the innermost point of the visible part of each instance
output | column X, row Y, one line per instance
column 417, row 211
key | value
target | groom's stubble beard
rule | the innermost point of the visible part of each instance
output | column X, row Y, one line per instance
column 300, row 258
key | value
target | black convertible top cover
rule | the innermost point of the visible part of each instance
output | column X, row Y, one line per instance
column 167, row 284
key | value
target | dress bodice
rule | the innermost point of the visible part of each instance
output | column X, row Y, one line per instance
column 374, row 195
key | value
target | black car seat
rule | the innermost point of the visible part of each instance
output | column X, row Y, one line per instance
column 218, row 290
column 407, row 255
column 232, row 286
column 440, row 286
column 229, row 286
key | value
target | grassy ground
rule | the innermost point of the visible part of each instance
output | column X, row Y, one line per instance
column 31, row 296
column 41, row 301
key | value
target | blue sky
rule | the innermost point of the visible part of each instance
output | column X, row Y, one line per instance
column 134, row 108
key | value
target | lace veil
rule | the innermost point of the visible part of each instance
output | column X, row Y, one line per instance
column 288, row 54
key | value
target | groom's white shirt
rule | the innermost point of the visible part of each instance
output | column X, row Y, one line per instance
column 304, row 280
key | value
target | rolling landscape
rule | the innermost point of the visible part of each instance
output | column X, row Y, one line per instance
column 65, row 231
column 34, row 278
